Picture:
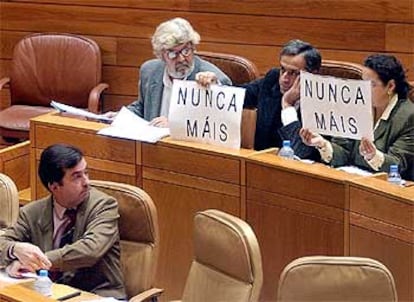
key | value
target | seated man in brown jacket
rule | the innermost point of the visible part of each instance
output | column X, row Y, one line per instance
column 73, row 232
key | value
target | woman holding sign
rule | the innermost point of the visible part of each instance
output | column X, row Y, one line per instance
column 394, row 124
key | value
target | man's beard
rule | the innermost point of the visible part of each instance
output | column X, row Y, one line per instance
column 183, row 72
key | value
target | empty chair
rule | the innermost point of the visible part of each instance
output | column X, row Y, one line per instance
column 227, row 264
column 240, row 70
column 326, row 278
column 9, row 202
column 50, row 66
column 138, row 229
column 341, row 69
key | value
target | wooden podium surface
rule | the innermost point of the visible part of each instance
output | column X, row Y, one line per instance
column 295, row 209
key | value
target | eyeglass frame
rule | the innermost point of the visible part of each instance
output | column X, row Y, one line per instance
column 185, row 52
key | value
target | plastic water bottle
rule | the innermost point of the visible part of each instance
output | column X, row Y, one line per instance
column 286, row 151
column 43, row 284
column 394, row 176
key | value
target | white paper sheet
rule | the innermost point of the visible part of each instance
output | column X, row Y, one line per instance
column 130, row 126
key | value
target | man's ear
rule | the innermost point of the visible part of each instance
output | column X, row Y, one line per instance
column 53, row 186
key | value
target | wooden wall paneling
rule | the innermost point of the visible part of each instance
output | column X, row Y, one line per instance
column 121, row 80
column 400, row 38
column 153, row 4
column 244, row 29
column 388, row 10
column 134, row 51
column 115, row 102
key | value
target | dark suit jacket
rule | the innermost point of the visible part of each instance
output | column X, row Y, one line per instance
column 92, row 261
column 264, row 94
column 394, row 137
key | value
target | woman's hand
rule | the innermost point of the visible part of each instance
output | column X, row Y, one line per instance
column 367, row 149
column 311, row 138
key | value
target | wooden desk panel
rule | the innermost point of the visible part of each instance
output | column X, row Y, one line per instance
column 14, row 162
column 183, row 178
column 296, row 210
column 176, row 206
column 382, row 227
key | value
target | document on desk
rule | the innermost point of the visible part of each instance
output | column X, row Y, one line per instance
column 354, row 170
column 80, row 112
column 130, row 126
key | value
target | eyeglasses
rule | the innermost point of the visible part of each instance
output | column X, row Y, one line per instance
column 289, row 72
column 172, row 54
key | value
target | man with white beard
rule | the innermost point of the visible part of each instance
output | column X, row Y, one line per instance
column 174, row 43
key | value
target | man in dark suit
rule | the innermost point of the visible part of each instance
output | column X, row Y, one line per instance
column 276, row 97
column 73, row 232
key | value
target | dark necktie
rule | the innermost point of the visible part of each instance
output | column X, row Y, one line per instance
column 67, row 238
column 67, row 235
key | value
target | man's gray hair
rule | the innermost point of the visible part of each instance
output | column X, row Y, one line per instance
column 172, row 33
column 311, row 54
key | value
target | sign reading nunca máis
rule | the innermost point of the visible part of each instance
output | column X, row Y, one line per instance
column 337, row 107
column 210, row 115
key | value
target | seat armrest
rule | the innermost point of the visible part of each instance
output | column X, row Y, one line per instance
column 95, row 97
column 148, row 295
column 3, row 82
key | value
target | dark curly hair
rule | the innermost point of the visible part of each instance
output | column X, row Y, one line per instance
column 389, row 68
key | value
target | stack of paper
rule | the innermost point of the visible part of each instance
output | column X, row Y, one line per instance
column 128, row 125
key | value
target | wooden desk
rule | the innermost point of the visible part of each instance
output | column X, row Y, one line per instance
column 296, row 209
column 382, row 227
column 22, row 292
column 14, row 161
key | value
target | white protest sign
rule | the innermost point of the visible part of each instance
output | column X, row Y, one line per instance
column 211, row 116
column 336, row 107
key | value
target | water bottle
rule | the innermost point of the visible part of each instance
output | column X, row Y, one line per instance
column 394, row 176
column 286, row 151
column 43, row 284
